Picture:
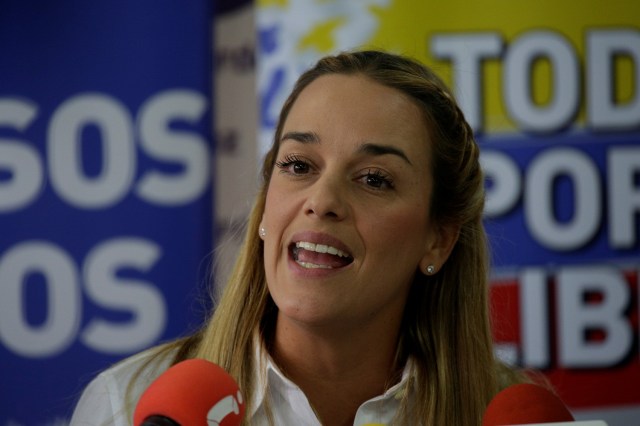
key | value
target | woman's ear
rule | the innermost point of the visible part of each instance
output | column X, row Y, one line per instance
column 262, row 232
column 439, row 248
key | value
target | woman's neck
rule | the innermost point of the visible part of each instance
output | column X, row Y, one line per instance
column 337, row 370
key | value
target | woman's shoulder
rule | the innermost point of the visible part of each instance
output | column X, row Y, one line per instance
column 112, row 395
column 146, row 365
column 508, row 375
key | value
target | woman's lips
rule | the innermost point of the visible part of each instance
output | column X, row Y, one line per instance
column 311, row 255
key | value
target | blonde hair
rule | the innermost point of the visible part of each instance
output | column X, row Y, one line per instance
column 446, row 325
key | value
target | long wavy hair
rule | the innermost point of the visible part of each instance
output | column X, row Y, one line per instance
column 446, row 324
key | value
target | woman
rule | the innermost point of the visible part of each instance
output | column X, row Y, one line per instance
column 360, row 293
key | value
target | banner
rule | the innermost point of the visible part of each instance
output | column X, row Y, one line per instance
column 552, row 90
column 105, row 190
column 236, row 121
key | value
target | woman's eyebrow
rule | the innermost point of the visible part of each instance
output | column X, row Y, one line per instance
column 374, row 149
column 302, row 137
column 367, row 148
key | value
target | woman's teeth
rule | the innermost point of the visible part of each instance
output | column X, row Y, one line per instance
column 309, row 265
column 321, row 248
column 319, row 256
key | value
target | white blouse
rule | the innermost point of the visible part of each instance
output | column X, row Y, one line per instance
column 103, row 401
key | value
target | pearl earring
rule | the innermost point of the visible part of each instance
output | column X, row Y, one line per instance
column 430, row 270
column 262, row 232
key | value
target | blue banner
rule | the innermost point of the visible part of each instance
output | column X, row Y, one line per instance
column 568, row 198
column 105, row 190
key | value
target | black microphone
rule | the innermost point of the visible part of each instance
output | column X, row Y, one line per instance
column 159, row 421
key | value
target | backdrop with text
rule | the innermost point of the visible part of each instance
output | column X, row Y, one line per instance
column 552, row 90
column 105, row 190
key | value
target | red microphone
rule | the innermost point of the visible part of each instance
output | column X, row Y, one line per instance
column 194, row 392
column 525, row 403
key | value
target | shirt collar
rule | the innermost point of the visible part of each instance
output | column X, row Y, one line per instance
column 267, row 375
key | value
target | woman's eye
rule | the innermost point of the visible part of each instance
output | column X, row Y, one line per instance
column 294, row 165
column 299, row 167
column 378, row 180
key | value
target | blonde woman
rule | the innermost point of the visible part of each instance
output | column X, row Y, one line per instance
column 360, row 292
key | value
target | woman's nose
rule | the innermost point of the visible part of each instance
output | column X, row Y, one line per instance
column 327, row 199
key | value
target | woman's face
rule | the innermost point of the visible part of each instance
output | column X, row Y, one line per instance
column 347, row 208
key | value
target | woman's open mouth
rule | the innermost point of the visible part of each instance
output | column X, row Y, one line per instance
column 319, row 256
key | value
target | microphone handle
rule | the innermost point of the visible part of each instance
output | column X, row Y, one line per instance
column 157, row 420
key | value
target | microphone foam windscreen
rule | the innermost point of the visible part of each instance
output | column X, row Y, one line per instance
column 192, row 393
column 525, row 403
